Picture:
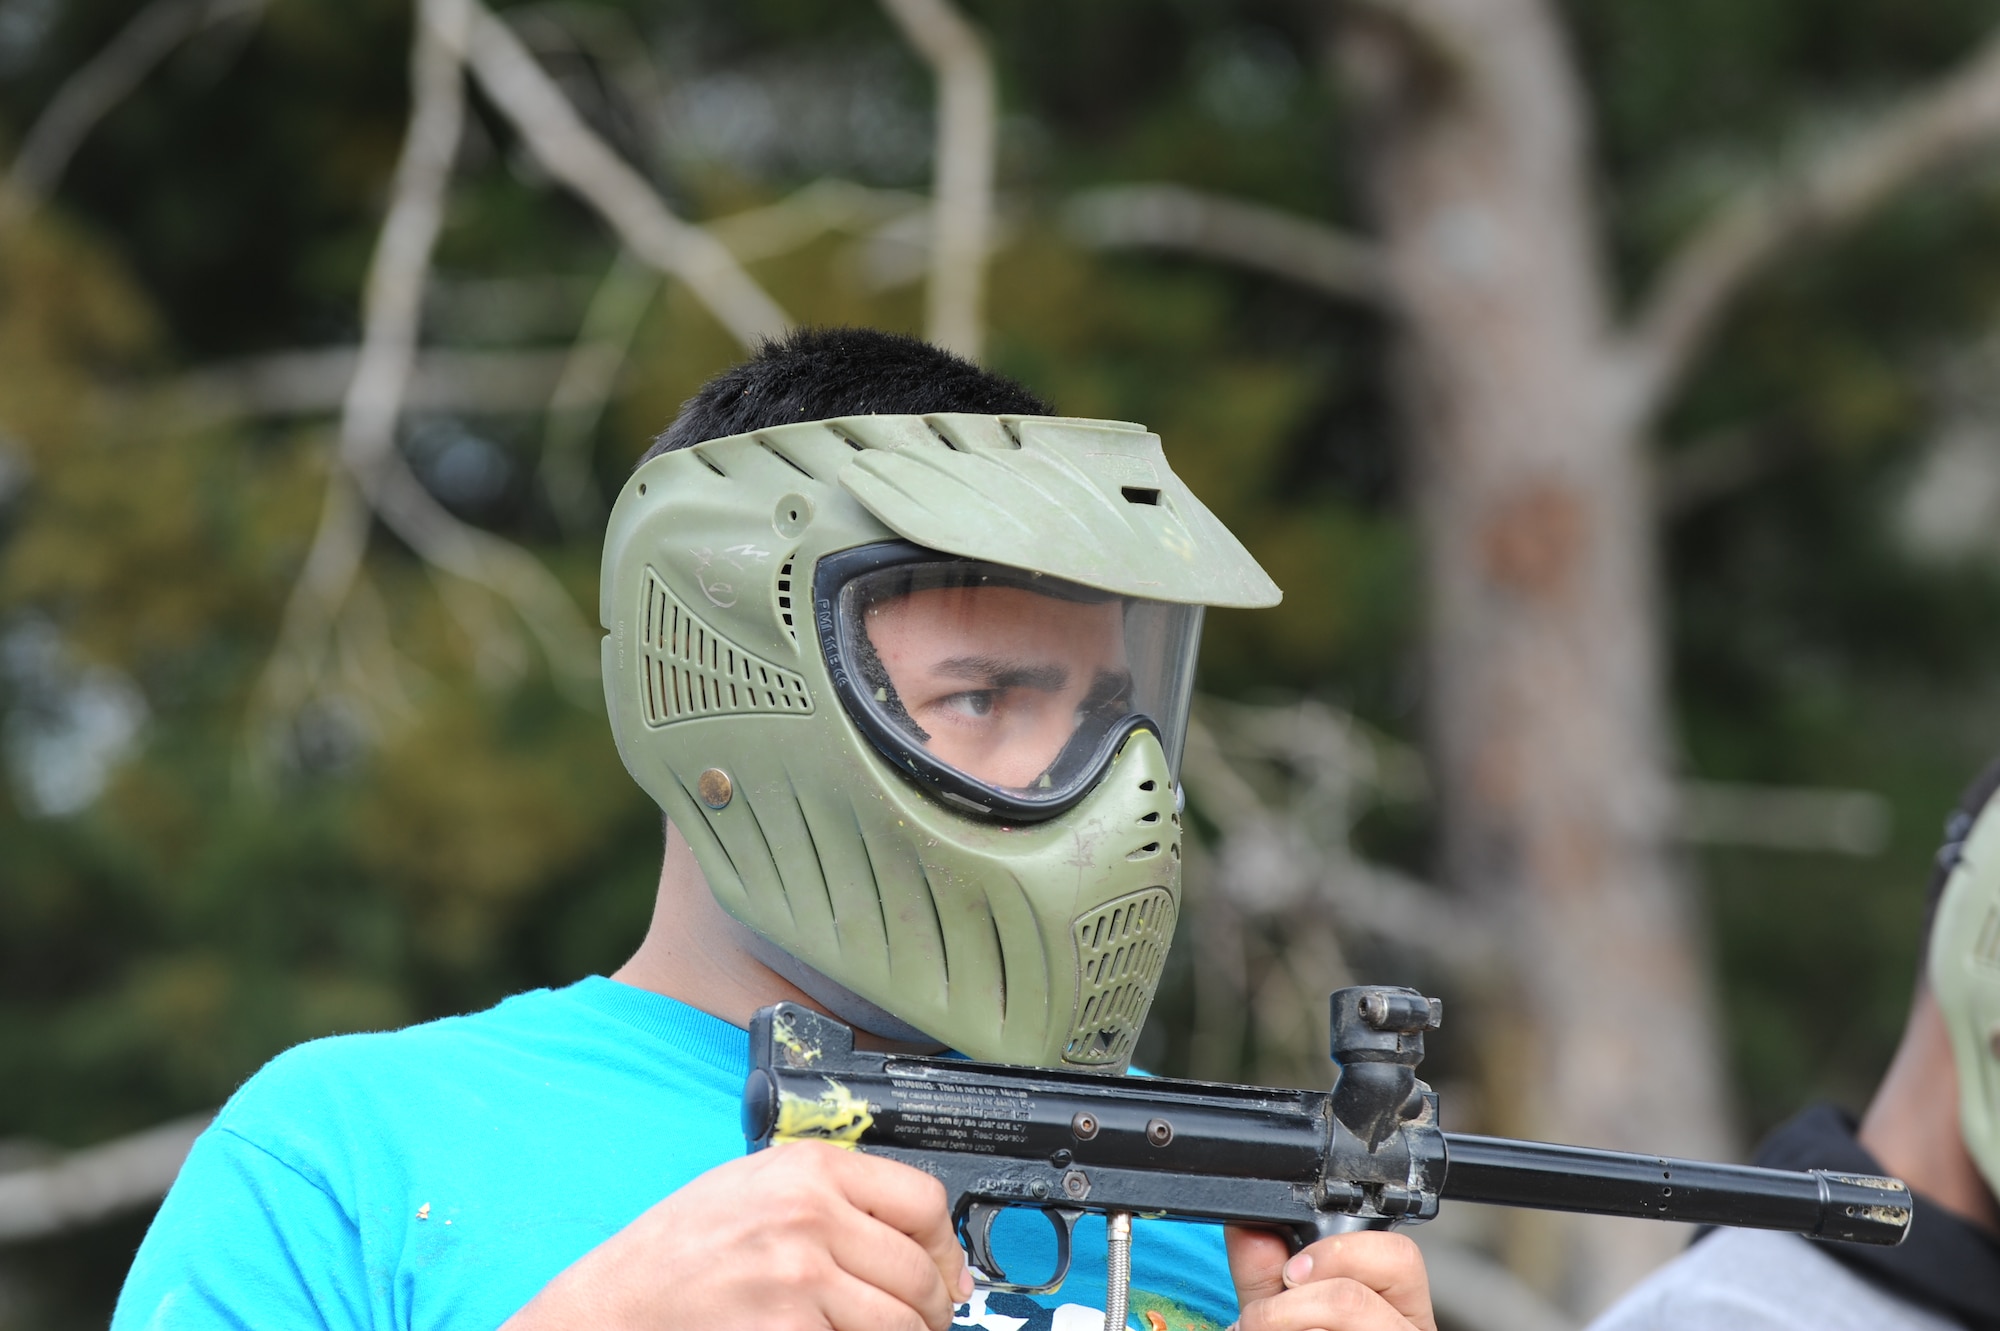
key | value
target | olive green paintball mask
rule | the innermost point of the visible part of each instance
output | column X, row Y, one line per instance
column 1964, row 973
column 914, row 689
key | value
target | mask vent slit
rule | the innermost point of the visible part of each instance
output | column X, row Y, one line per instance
column 769, row 857
column 1987, row 949
column 805, row 821
column 1121, row 950
column 784, row 457
column 1000, row 955
column 937, row 920
column 687, row 669
column 785, row 597
column 874, row 885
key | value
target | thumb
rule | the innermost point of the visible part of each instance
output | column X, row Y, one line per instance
column 1257, row 1260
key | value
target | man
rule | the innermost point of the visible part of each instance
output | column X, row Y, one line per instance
column 906, row 661
column 1934, row 1122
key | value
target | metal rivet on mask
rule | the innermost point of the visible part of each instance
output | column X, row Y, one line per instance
column 1159, row 1132
column 716, row 788
column 1076, row 1185
column 1084, row 1125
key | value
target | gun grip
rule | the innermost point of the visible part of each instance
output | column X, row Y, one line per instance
column 1329, row 1223
column 975, row 1234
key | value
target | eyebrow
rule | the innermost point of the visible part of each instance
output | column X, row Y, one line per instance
column 999, row 673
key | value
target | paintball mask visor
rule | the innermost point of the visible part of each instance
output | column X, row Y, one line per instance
column 1006, row 691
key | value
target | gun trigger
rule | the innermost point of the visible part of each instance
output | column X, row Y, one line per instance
column 977, row 1231
column 1064, row 1221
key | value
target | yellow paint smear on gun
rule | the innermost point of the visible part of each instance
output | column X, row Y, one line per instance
column 788, row 1040
column 837, row 1115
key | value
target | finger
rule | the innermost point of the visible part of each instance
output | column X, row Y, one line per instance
column 912, row 1202
column 849, row 1304
column 1386, row 1263
column 1256, row 1262
column 891, row 1261
column 1339, row 1304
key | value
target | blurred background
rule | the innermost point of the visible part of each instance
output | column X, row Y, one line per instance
column 1610, row 386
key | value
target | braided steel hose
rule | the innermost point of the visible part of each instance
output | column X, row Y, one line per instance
column 1117, row 1268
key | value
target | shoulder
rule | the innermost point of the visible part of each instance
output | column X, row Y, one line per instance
column 411, row 1050
column 1753, row 1280
column 316, row 1098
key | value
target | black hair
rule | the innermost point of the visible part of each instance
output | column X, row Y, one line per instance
column 813, row 374
column 1957, row 827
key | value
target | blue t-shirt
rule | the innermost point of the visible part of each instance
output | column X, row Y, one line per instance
column 438, row 1177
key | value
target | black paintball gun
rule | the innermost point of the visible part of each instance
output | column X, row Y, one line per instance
column 1369, row 1154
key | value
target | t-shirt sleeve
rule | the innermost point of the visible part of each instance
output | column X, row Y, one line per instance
column 245, row 1240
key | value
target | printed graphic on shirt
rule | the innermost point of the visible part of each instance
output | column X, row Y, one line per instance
column 991, row 1311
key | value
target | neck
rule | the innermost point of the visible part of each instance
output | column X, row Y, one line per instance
column 1912, row 1126
column 693, row 952
column 696, row 952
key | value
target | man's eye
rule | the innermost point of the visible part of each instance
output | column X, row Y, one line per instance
column 973, row 702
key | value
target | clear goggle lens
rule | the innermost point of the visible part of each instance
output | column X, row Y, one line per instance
column 1009, row 690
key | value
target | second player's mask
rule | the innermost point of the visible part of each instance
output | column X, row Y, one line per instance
column 1963, row 967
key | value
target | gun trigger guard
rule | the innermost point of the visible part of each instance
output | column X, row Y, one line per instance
column 976, row 1232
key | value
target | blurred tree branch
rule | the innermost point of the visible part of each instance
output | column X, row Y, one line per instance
column 391, row 309
column 1269, row 240
column 608, row 39
column 1958, row 116
column 452, row 35
column 93, row 1184
column 1720, row 463
column 1279, row 858
column 571, row 152
column 962, row 165
column 589, row 378
column 308, row 383
column 809, row 213
column 89, row 94
column 1942, row 124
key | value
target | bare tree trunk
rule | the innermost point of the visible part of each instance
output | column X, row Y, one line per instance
column 1547, row 709
column 968, row 124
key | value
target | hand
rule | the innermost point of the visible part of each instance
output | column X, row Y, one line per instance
column 801, row 1237
column 1370, row 1281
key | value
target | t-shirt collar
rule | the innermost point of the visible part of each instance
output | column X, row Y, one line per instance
column 714, row 1041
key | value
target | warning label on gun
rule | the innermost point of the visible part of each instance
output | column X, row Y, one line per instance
column 957, row 1116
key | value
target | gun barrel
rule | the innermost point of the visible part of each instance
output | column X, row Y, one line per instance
column 1860, row 1208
